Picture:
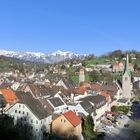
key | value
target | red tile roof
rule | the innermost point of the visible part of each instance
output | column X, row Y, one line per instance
column 96, row 86
column 80, row 90
column 106, row 95
column 85, row 84
column 9, row 95
column 72, row 118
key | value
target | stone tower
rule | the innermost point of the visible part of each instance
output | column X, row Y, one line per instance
column 81, row 75
column 126, row 80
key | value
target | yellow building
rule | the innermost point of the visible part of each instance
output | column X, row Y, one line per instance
column 67, row 125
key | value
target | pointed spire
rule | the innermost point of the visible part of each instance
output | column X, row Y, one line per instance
column 126, row 67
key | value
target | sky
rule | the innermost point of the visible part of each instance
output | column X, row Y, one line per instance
column 81, row 26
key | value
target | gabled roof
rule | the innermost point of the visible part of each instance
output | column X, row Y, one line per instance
column 33, row 104
column 56, row 101
column 44, row 102
column 69, row 83
column 9, row 96
column 97, row 100
column 111, row 88
column 40, row 90
column 88, row 107
column 72, row 118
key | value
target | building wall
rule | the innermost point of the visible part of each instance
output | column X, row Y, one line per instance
column 21, row 111
column 78, row 109
column 126, row 86
column 75, row 98
column 81, row 75
column 119, row 67
column 63, row 127
column 99, row 114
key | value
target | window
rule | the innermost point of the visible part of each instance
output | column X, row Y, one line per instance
column 19, row 112
column 61, row 120
column 23, row 112
column 23, row 106
column 27, row 113
column 64, row 121
column 19, row 106
column 15, row 111
column 31, row 121
column 36, row 129
column 36, row 121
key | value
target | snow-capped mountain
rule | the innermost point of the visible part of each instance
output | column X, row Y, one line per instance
column 54, row 57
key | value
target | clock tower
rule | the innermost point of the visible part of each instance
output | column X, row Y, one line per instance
column 126, row 80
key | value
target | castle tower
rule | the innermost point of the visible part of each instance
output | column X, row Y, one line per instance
column 81, row 75
column 126, row 80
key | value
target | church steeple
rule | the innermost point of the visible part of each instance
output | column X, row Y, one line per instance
column 126, row 80
column 126, row 67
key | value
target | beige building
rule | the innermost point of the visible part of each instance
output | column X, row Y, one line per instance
column 119, row 67
column 67, row 125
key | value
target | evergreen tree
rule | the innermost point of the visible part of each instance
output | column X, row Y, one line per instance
column 88, row 127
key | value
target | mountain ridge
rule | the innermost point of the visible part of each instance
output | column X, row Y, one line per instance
column 50, row 58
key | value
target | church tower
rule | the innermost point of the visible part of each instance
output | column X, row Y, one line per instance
column 81, row 75
column 126, row 80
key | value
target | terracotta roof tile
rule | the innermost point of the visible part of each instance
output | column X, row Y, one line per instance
column 80, row 90
column 96, row 87
column 72, row 118
column 106, row 95
column 9, row 95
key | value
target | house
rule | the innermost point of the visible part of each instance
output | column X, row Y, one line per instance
column 114, row 90
column 108, row 100
column 64, row 95
column 94, row 105
column 9, row 96
column 67, row 83
column 96, row 87
column 29, row 110
column 58, row 105
column 15, row 86
column 67, row 125
column 136, row 85
column 119, row 67
column 38, row 90
column 123, row 102
column 78, row 93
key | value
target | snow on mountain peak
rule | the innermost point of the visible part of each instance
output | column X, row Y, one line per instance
column 40, row 57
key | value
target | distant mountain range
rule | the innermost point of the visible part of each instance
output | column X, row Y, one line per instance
column 54, row 57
